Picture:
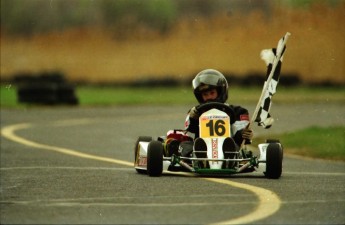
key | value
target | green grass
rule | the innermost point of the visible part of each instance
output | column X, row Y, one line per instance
column 317, row 142
column 8, row 97
column 132, row 96
column 104, row 96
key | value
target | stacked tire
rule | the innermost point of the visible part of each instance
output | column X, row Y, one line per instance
column 46, row 88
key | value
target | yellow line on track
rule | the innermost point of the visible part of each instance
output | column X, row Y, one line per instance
column 269, row 202
column 9, row 133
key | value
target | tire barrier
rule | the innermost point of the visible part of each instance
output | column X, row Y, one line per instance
column 45, row 88
column 258, row 79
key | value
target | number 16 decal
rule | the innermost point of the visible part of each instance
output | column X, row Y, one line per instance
column 215, row 128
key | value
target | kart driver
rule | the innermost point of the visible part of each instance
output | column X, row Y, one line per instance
column 211, row 86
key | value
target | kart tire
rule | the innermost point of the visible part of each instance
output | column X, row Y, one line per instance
column 155, row 159
column 274, row 161
column 136, row 152
column 269, row 141
column 272, row 141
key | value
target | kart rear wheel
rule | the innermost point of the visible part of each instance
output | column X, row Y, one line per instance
column 155, row 159
column 136, row 152
column 274, row 161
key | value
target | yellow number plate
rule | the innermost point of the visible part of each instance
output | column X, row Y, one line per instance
column 214, row 126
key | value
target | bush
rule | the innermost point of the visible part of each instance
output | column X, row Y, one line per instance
column 29, row 17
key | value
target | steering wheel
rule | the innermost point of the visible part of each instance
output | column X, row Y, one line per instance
column 217, row 105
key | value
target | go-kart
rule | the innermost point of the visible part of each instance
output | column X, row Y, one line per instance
column 152, row 157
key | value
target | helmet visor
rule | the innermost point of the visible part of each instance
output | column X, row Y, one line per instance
column 208, row 79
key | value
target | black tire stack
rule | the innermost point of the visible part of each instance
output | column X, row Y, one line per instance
column 45, row 88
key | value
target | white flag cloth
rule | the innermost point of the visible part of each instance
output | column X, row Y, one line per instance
column 273, row 59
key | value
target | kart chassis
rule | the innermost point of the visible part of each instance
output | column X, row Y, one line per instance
column 151, row 157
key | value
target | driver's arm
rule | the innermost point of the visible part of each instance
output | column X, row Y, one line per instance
column 240, row 126
column 192, row 122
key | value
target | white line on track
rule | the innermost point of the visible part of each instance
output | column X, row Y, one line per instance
column 269, row 203
column 316, row 173
column 174, row 197
column 74, row 203
column 131, row 169
column 72, row 122
column 145, row 205
column 64, row 168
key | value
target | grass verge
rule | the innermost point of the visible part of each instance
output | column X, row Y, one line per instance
column 8, row 96
column 105, row 96
column 316, row 142
column 131, row 96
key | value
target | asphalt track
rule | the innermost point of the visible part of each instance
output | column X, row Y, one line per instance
column 74, row 166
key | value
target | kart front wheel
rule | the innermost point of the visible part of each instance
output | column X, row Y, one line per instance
column 136, row 152
column 155, row 159
column 274, row 161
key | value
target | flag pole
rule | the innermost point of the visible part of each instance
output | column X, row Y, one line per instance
column 277, row 57
column 280, row 50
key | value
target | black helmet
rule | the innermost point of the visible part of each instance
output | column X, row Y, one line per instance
column 209, row 79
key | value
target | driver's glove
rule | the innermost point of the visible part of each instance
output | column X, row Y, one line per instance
column 247, row 134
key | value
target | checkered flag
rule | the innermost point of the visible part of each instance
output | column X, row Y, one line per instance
column 273, row 59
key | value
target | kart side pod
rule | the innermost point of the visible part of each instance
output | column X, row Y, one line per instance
column 262, row 149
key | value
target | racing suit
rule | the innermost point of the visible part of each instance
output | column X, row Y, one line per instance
column 192, row 127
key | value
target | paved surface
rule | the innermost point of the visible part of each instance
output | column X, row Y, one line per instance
column 73, row 165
